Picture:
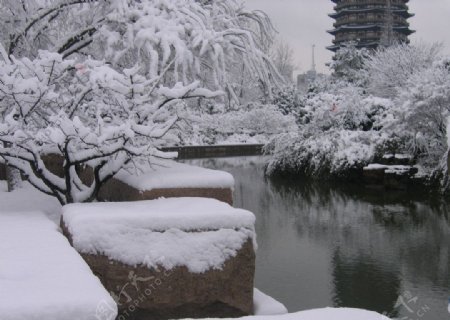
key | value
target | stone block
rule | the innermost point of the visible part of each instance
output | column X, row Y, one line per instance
column 116, row 190
column 162, row 289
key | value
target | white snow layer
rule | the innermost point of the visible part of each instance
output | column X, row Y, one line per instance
column 164, row 174
column 198, row 233
column 28, row 199
column 42, row 277
column 323, row 314
column 264, row 305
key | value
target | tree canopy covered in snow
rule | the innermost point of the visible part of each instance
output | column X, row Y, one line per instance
column 100, row 83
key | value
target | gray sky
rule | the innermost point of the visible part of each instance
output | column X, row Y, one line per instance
column 303, row 23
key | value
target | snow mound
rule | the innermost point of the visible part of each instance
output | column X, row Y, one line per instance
column 42, row 277
column 265, row 305
column 198, row 233
column 165, row 174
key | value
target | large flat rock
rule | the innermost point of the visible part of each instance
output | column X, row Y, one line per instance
column 168, row 258
column 167, row 178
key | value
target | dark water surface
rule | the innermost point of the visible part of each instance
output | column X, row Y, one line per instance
column 350, row 246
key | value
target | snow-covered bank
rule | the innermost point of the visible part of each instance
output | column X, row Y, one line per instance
column 41, row 276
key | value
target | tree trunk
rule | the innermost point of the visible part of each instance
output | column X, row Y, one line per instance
column 13, row 178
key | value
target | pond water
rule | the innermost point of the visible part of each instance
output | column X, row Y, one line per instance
column 319, row 245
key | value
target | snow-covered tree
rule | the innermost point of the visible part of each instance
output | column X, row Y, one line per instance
column 283, row 57
column 98, row 83
column 348, row 62
column 389, row 69
column 422, row 112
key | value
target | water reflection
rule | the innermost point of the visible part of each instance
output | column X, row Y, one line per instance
column 363, row 282
column 347, row 246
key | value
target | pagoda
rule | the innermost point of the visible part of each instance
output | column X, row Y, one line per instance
column 370, row 23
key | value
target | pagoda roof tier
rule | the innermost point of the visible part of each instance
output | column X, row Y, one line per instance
column 401, row 29
column 400, row 12
column 369, row 44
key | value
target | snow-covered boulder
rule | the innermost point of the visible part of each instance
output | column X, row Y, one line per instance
column 161, row 178
column 167, row 178
column 43, row 277
column 168, row 258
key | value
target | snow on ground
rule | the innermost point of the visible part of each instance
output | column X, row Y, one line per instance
column 41, row 276
column 164, row 174
column 323, row 314
column 265, row 305
column 161, row 232
column 29, row 199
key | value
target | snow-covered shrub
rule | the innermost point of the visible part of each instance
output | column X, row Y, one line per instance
column 348, row 109
column 287, row 100
column 341, row 132
column 335, row 152
column 252, row 124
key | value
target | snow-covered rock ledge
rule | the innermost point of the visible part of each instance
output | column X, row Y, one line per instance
column 168, row 258
column 390, row 176
column 161, row 178
column 42, row 277
column 166, row 178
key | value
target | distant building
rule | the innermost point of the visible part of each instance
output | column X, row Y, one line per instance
column 304, row 80
column 370, row 23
